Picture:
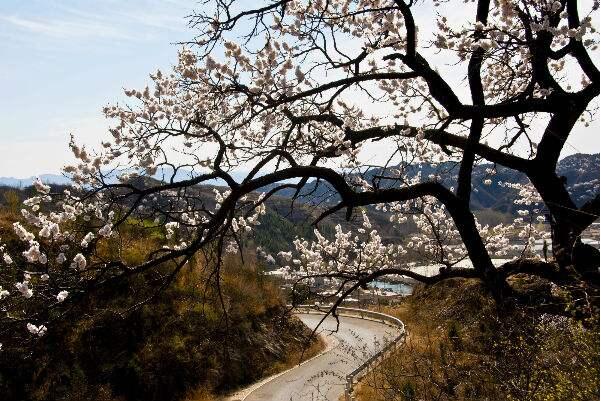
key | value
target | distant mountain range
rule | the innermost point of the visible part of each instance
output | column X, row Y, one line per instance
column 581, row 172
column 162, row 175
column 26, row 182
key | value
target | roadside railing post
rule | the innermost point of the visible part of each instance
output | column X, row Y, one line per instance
column 348, row 388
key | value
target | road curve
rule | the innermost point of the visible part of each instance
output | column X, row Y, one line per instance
column 323, row 377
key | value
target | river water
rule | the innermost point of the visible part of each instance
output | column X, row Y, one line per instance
column 399, row 288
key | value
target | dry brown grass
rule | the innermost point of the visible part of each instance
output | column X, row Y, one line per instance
column 202, row 394
column 432, row 364
column 243, row 289
column 297, row 356
column 460, row 346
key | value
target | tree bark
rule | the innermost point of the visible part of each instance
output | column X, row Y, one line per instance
column 567, row 223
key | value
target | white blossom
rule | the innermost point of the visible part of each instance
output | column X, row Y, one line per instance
column 79, row 262
column 36, row 330
column 62, row 296
column 24, row 289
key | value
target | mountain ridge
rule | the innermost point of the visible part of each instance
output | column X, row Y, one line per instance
column 580, row 170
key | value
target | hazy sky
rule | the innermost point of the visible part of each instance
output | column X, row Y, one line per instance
column 63, row 60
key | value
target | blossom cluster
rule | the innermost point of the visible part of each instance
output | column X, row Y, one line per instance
column 435, row 241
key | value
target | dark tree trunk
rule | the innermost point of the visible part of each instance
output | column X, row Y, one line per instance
column 567, row 224
column 479, row 256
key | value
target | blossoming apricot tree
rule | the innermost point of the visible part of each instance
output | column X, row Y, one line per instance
column 293, row 91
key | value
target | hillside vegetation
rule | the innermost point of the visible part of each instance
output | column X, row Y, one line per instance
column 134, row 341
column 461, row 345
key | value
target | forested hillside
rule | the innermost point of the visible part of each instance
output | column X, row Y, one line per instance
column 135, row 340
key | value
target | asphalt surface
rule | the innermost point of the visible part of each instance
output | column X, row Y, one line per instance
column 323, row 378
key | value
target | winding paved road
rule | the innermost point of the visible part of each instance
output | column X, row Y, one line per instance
column 323, row 377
